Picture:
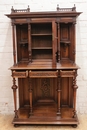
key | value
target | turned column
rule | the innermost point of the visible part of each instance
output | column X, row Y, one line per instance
column 29, row 42
column 58, row 25
column 74, row 43
column 14, row 46
column 30, row 97
column 58, row 96
column 74, row 94
column 14, row 87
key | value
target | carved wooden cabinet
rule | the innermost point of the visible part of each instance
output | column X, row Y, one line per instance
column 44, row 63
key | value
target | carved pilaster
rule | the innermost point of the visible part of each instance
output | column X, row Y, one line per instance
column 14, row 87
column 30, row 96
column 58, row 94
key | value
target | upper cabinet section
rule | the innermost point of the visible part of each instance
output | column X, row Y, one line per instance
column 44, row 36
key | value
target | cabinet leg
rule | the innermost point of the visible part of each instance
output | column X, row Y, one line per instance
column 74, row 95
column 14, row 87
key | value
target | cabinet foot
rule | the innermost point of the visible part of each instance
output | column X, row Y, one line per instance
column 74, row 126
column 16, row 125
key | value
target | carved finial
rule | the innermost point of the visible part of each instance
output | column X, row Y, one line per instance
column 12, row 9
column 74, row 8
column 57, row 7
column 28, row 9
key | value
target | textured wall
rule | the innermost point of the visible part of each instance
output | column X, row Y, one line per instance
column 6, row 56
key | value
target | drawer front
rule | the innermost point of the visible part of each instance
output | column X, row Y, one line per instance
column 43, row 74
column 20, row 74
column 67, row 73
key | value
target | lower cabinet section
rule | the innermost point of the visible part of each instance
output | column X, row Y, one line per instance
column 45, row 97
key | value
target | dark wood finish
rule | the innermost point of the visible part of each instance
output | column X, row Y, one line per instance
column 45, row 66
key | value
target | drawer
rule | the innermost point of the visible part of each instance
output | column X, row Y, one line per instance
column 43, row 74
column 67, row 73
column 19, row 74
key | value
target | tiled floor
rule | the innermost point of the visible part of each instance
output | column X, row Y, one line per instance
column 5, row 124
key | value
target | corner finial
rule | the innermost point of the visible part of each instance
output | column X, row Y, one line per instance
column 28, row 9
column 57, row 7
column 74, row 8
column 12, row 9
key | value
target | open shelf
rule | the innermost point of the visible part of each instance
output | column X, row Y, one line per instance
column 41, row 28
column 41, row 53
column 39, row 117
column 46, row 34
column 42, row 48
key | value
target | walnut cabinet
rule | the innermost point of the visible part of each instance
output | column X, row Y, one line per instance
column 44, row 52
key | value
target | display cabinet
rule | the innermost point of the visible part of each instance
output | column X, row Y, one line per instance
column 44, row 51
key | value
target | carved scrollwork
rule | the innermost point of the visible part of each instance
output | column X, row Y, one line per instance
column 45, row 87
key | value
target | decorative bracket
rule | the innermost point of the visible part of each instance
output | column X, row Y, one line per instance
column 65, row 44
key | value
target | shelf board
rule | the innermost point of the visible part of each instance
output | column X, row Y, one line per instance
column 46, row 114
column 65, row 41
column 43, row 48
column 42, row 34
column 23, row 42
